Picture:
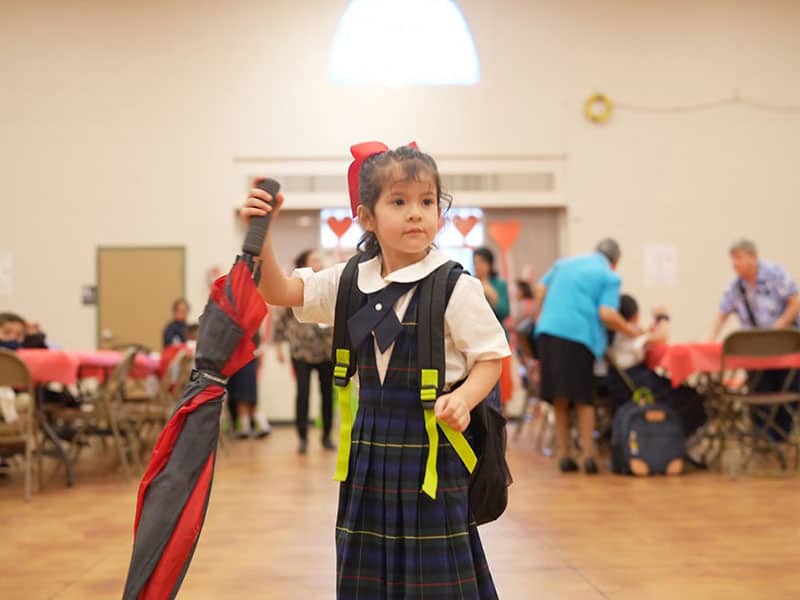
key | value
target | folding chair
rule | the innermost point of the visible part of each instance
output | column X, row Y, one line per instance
column 765, row 435
column 20, row 436
column 147, row 413
column 135, row 345
column 99, row 416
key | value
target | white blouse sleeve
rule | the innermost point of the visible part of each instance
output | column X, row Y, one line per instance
column 319, row 294
column 472, row 325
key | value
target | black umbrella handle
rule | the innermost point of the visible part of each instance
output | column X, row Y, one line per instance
column 259, row 225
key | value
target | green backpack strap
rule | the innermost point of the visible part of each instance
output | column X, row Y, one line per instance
column 348, row 300
column 432, row 364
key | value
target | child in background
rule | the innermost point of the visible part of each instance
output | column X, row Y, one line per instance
column 525, row 330
column 34, row 336
column 629, row 354
column 243, row 400
column 12, row 331
column 175, row 330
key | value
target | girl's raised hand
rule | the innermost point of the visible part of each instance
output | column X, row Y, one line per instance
column 257, row 203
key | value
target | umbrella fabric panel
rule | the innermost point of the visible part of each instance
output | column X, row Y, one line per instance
column 163, row 497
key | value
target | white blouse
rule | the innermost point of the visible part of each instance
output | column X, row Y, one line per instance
column 627, row 352
column 472, row 332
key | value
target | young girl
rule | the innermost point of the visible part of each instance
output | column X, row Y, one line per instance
column 392, row 540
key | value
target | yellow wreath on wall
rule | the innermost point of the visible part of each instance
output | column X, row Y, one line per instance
column 598, row 108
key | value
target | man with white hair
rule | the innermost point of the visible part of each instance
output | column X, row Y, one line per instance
column 763, row 294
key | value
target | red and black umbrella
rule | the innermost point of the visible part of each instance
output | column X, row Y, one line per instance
column 174, row 492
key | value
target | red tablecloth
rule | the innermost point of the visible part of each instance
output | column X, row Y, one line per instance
column 63, row 367
column 682, row 361
column 98, row 362
column 168, row 354
column 50, row 365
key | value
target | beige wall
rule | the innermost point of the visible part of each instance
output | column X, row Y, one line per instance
column 120, row 121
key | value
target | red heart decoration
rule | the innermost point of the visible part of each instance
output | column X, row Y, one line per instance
column 505, row 233
column 465, row 224
column 339, row 226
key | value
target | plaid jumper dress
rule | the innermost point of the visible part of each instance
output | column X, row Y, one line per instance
column 392, row 541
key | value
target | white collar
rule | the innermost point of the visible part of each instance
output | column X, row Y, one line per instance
column 371, row 281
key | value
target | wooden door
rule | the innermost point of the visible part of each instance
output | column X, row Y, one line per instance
column 136, row 287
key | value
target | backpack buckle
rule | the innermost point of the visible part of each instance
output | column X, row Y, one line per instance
column 429, row 388
column 428, row 397
column 341, row 369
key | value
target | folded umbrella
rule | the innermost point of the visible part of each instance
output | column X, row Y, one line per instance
column 174, row 492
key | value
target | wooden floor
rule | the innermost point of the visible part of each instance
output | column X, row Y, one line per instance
column 269, row 533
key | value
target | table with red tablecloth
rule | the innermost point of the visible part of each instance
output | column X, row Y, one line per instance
column 66, row 367
column 681, row 361
column 60, row 366
column 50, row 365
column 99, row 363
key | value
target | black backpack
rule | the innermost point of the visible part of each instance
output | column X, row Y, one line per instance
column 647, row 438
column 486, row 434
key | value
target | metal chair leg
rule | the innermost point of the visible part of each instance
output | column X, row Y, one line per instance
column 60, row 452
column 28, row 468
column 524, row 416
column 122, row 450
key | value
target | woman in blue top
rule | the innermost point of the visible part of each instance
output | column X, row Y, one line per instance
column 578, row 299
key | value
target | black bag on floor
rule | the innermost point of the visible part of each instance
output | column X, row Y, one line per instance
column 647, row 438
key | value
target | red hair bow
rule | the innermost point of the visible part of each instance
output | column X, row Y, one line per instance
column 362, row 152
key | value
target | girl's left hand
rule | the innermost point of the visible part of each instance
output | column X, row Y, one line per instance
column 453, row 410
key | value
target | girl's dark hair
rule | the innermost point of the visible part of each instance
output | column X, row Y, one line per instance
column 378, row 169
column 488, row 256
column 628, row 307
column 301, row 260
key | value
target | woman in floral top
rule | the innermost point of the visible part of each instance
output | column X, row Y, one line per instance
column 310, row 347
